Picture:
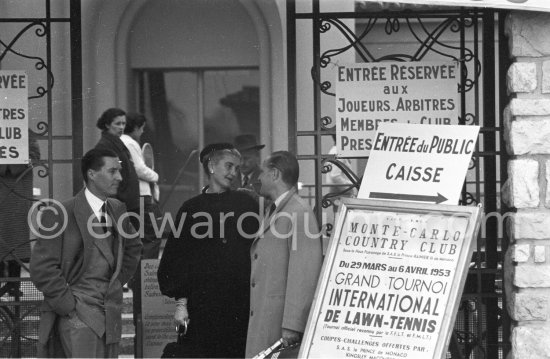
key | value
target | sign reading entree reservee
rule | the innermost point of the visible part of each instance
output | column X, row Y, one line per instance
column 368, row 94
column 421, row 163
column 14, row 121
column 391, row 283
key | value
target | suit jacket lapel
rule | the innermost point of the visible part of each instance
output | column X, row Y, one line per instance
column 82, row 212
column 88, row 226
column 118, row 240
column 267, row 220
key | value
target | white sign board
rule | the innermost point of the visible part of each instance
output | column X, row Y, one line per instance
column 369, row 94
column 157, row 312
column 14, row 117
column 533, row 5
column 391, row 283
column 421, row 163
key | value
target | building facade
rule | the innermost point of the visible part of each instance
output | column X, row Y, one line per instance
column 209, row 70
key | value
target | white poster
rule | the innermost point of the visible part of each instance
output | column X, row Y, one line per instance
column 419, row 163
column 14, row 119
column 391, row 283
column 369, row 94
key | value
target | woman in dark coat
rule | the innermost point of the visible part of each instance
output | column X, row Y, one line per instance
column 206, row 266
column 112, row 123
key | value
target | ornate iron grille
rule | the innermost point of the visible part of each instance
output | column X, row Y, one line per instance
column 37, row 37
column 385, row 32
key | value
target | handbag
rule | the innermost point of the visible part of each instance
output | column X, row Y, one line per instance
column 182, row 348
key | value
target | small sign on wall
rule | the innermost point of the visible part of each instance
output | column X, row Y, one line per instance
column 391, row 283
column 157, row 312
column 369, row 94
column 14, row 120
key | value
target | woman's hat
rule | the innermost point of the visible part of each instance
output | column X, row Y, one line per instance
column 247, row 142
column 213, row 147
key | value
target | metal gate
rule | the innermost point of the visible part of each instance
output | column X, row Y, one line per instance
column 44, row 39
column 472, row 37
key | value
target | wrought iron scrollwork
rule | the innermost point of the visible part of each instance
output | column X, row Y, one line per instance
column 43, row 169
column 42, row 127
column 327, row 167
column 469, row 119
column 468, row 199
column 429, row 39
column 354, row 180
column 473, row 163
column 392, row 25
column 326, row 121
column 40, row 64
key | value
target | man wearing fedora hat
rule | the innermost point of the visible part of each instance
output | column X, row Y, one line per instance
column 250, row 170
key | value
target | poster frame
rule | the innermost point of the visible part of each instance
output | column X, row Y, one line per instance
column 474, row 216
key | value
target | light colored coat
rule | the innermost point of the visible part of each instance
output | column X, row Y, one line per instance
column 286, row 261
column 60, row 259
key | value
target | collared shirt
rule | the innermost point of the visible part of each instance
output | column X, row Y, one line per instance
column 280, row 199
column 245, row 178
column 95, row 202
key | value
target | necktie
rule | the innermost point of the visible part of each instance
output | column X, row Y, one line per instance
column 103, row 218
column 271, row 209
column 245, row 181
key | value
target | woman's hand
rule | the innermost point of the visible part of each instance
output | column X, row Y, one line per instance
column 181, row 316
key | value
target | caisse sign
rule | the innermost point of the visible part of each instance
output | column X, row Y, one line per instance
column 422, row 163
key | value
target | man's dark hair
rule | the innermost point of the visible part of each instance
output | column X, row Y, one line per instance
column 287, row 164
column 134, row 120
column 108, row 116
column 93, row 159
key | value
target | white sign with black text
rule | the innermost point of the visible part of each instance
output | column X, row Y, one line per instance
column 391, row 282
column 14, row 117
column 369, row 94
column 420, row 163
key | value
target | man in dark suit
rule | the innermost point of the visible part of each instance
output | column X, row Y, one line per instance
column 86, row 251
column 286, row 259
column 250, row 169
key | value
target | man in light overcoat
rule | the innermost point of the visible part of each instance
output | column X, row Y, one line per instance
column 286, row 259
column 86, row 251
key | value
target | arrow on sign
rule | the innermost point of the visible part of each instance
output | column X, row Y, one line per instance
column 409, row 197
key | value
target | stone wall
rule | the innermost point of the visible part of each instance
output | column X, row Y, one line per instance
column 527, row 131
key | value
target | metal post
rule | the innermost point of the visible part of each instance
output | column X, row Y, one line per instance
column 76, row 91
column 291, row 73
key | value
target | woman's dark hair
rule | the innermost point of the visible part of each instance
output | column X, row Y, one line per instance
column 134, row 120
column 108, row 116
column 287, row 164
column 93, row 159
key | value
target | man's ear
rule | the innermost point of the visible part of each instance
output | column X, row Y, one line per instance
column 276, row 174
